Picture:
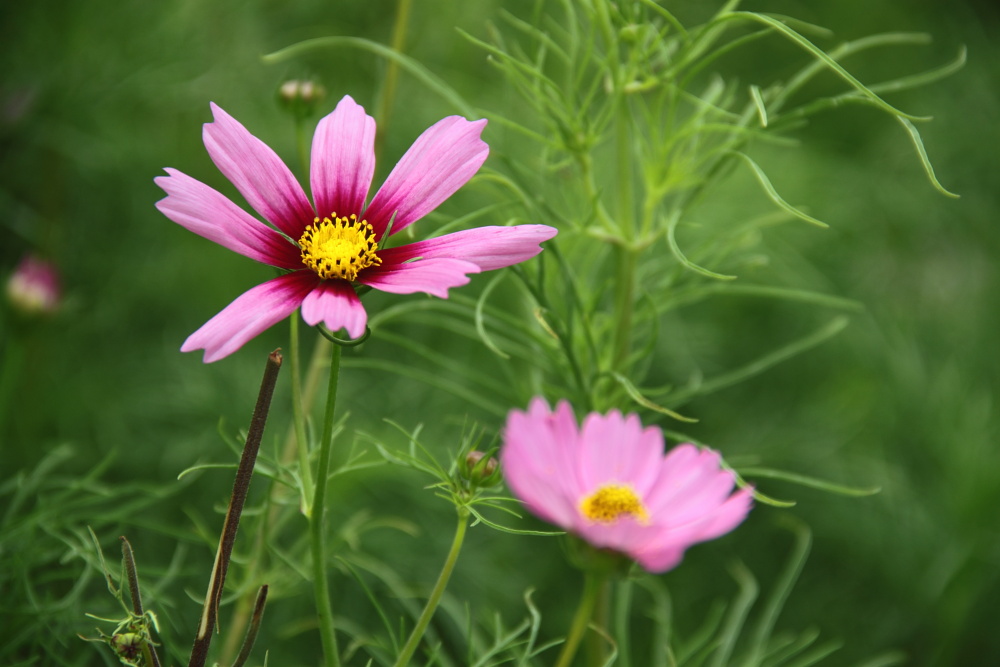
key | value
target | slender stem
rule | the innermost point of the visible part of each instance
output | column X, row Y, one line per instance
column 596, row 643
column 241, row 486
column 253, row 628
column 301, row 145
column 324, row 608
column 435, row 597
column 592, row 584
column 299, row 418
column 623, row 605
column 624, row 302
column 392, row 72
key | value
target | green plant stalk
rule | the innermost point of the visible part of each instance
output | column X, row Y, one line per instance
column 596, row 642
column 299, row 418
column 439, row 587
column 625, row 268
column 622, row 607
column 592, row 584
column 302, row 147
column 317, row 534
column 392, row 72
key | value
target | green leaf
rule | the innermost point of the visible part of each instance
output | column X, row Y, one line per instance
column 924, row 160
column 823, row 57
column 773, row 194
column 758, row 102
column 811, row 482
column 765, row 362
column 682, row 258
column 637, row 396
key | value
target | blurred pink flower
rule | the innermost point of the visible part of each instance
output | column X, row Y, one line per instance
column 610, row 483
column 330, row 247
column 33, row 288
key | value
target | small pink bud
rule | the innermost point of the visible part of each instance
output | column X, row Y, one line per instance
column 33, row 288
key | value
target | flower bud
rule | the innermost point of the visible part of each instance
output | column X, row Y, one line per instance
column 481, row 469
column 33, row 288
column 128, row 647
column 301, row 98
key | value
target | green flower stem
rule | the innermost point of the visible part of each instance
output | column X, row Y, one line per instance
column 317, row 523
column 301, row 144
column 299, row 418
column 624, row 302
column 593, row 583
column 596, row 644
column 392, row 73
column 435, row 598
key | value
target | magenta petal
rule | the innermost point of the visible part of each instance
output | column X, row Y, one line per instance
column 439, row 162
column 343, row 160
column 258, row 173
column 336, row 305
column 433, row 276
column 206, row 212
column 250, row 314
column 659, row 560
column 488, row 247
column 616, row 449
column 537, row 459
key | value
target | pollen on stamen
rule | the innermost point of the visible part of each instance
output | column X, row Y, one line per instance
column 611, row 502
column 339, row 247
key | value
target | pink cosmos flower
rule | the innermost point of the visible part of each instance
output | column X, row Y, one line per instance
column 336, row 242
column 610, row 483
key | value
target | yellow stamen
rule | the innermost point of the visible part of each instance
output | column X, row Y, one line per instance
column 339, row 247
column 610, row 502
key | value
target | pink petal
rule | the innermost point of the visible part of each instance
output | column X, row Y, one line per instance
column 343, row 160
column 250, row 314
column 622, row 535
column 258, row 173
column 666, row 544
column 439, row 162
column 488, row 247
column 433, row 276
column 206, row 212
column 616, row 449
column 537, row 459
column 686, row 469
column 700, row 500
column 337, row 306
column 659, row 560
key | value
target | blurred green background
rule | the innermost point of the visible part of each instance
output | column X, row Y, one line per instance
column 96, row 98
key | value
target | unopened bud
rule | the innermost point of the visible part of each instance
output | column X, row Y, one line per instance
column 33, row 288
column 301, row 97
column 128, row 647
column 481, row 469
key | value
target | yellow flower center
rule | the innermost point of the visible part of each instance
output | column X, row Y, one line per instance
column 339, row 247
column 610, row 502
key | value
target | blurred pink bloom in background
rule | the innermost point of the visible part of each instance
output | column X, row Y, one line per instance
column 609, row 483
column 330, row 247
column 33, row 288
